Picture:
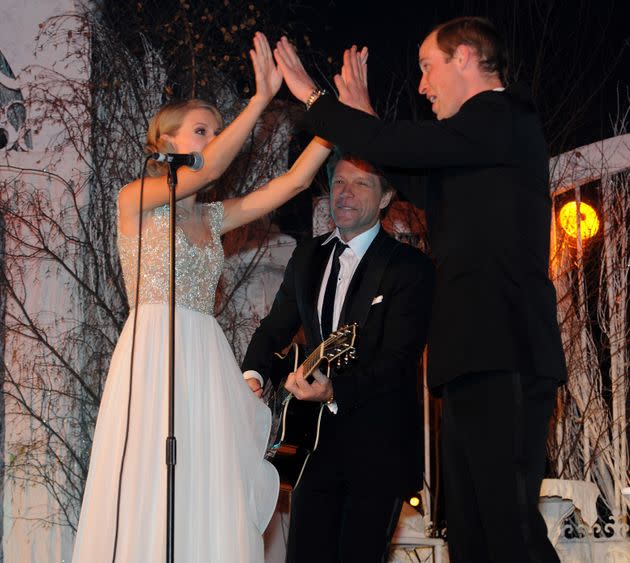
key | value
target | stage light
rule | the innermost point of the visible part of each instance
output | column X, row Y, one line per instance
column 589, row 222
column 414, row 501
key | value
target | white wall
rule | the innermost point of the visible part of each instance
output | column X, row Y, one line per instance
column 30, row 532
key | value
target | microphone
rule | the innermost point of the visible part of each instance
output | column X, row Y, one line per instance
column 194, row 160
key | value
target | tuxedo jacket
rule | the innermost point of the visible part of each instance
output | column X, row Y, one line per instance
column 483, row 177
column 389, row 297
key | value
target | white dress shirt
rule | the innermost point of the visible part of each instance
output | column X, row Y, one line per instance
column 348, row 261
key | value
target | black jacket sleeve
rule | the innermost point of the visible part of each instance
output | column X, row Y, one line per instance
column 478, row 135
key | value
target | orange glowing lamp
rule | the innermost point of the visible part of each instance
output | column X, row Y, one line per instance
column 589, row 222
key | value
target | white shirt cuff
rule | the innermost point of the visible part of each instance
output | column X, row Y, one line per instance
column 251, row 373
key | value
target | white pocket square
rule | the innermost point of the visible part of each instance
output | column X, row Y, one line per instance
column 377, row 300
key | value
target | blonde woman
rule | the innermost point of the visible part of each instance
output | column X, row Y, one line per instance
column 225, row 490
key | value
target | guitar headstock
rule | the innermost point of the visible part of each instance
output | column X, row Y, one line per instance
column 339, row 346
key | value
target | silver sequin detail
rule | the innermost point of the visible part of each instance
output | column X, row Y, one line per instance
column 198, row 263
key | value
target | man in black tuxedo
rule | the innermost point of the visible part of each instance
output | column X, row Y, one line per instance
column 495, row 354
column 368, row 458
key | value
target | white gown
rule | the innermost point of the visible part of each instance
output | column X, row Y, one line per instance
column 225, row 492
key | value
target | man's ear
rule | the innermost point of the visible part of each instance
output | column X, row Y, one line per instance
column 463, row 56
column 385, row 199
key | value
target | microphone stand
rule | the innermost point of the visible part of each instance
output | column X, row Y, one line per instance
column 171, row 442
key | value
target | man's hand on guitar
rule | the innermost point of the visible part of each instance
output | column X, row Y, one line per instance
column 254, row 385
column 320, row 389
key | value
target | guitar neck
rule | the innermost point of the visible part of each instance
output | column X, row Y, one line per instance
column 337, row 344
column 316, row 356
column 311, row 363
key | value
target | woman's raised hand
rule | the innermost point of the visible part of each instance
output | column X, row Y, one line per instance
column 268, row 77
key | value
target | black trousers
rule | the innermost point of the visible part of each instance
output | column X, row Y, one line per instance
column 341, row 514
column 494, row 429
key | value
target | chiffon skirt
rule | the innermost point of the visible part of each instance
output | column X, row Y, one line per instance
column 225, row 492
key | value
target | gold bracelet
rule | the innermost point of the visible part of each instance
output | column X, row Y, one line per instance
column 315, row 94
column 331, row 400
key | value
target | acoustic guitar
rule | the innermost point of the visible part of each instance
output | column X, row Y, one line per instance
column 295, row 432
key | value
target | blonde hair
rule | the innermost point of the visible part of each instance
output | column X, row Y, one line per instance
column 167, row 121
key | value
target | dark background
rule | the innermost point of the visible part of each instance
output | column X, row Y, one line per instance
column 574, row 54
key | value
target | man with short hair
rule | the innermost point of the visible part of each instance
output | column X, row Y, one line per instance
column 495, row 354
column 368, row 457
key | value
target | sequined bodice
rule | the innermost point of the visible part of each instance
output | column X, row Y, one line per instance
column 198, row 251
